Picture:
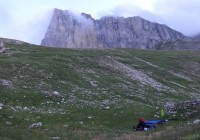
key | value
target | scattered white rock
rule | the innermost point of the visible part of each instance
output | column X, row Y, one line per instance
column 35, row 125
column 26, row 108
column 90, row 117
column 105, row 105
column 56, row 94
column 106, row 108
column 8, row 123
column 135, row 74
column 66, row 126
column 156, row 116
column 93, row 83
column 118, row 96
column 1, row 106
column 196, row 121
column 55, row 138
column 169, row 106
column 81, row 123
column 6, row 83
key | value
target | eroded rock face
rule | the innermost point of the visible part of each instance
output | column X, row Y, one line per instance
column 68, row 30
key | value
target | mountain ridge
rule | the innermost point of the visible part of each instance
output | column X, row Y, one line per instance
column 67, row 30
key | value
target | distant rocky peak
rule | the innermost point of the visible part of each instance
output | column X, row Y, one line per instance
column 80, row 30
column 87, row 16
column 75, row 17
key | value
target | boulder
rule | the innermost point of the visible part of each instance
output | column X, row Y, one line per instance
column 36, row 125
column 196, row 121
column 1, row 106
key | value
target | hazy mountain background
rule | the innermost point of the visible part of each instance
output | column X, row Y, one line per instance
column 29, row 21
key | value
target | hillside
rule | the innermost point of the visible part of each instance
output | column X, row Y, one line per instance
column 94, row 93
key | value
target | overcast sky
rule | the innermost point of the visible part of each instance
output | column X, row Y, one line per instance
column 28, row 20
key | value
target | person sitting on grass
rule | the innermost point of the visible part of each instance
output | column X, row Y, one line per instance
column 141, row 125
column 145, row 125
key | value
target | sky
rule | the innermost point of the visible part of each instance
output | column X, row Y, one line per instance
column 27, row 20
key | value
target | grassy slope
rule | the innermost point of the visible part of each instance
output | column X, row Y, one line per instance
column 91, row 80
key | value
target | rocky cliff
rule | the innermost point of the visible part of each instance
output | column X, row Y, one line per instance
column 68, row 30
column 197, row 37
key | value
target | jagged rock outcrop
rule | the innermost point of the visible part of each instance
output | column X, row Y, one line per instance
column 10, row 41
column 68, row 30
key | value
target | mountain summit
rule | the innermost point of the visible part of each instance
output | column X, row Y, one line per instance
column 68, row 30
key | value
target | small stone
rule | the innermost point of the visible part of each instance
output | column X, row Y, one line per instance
column 25, row 108
column 90, row 117
column 106, row 108
column 66, row 126
column 196, row 121
column 55, row 138
column 1, row 106
column 156, row 116
column 8, row 123
column 56, row 94
column 35, row 125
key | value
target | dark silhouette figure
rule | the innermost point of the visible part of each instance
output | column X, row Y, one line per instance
column 141, row 125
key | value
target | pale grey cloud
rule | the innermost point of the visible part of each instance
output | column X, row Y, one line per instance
column 29, row 26
column 181, row 15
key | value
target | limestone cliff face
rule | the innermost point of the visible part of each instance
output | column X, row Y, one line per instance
column 68, row 30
